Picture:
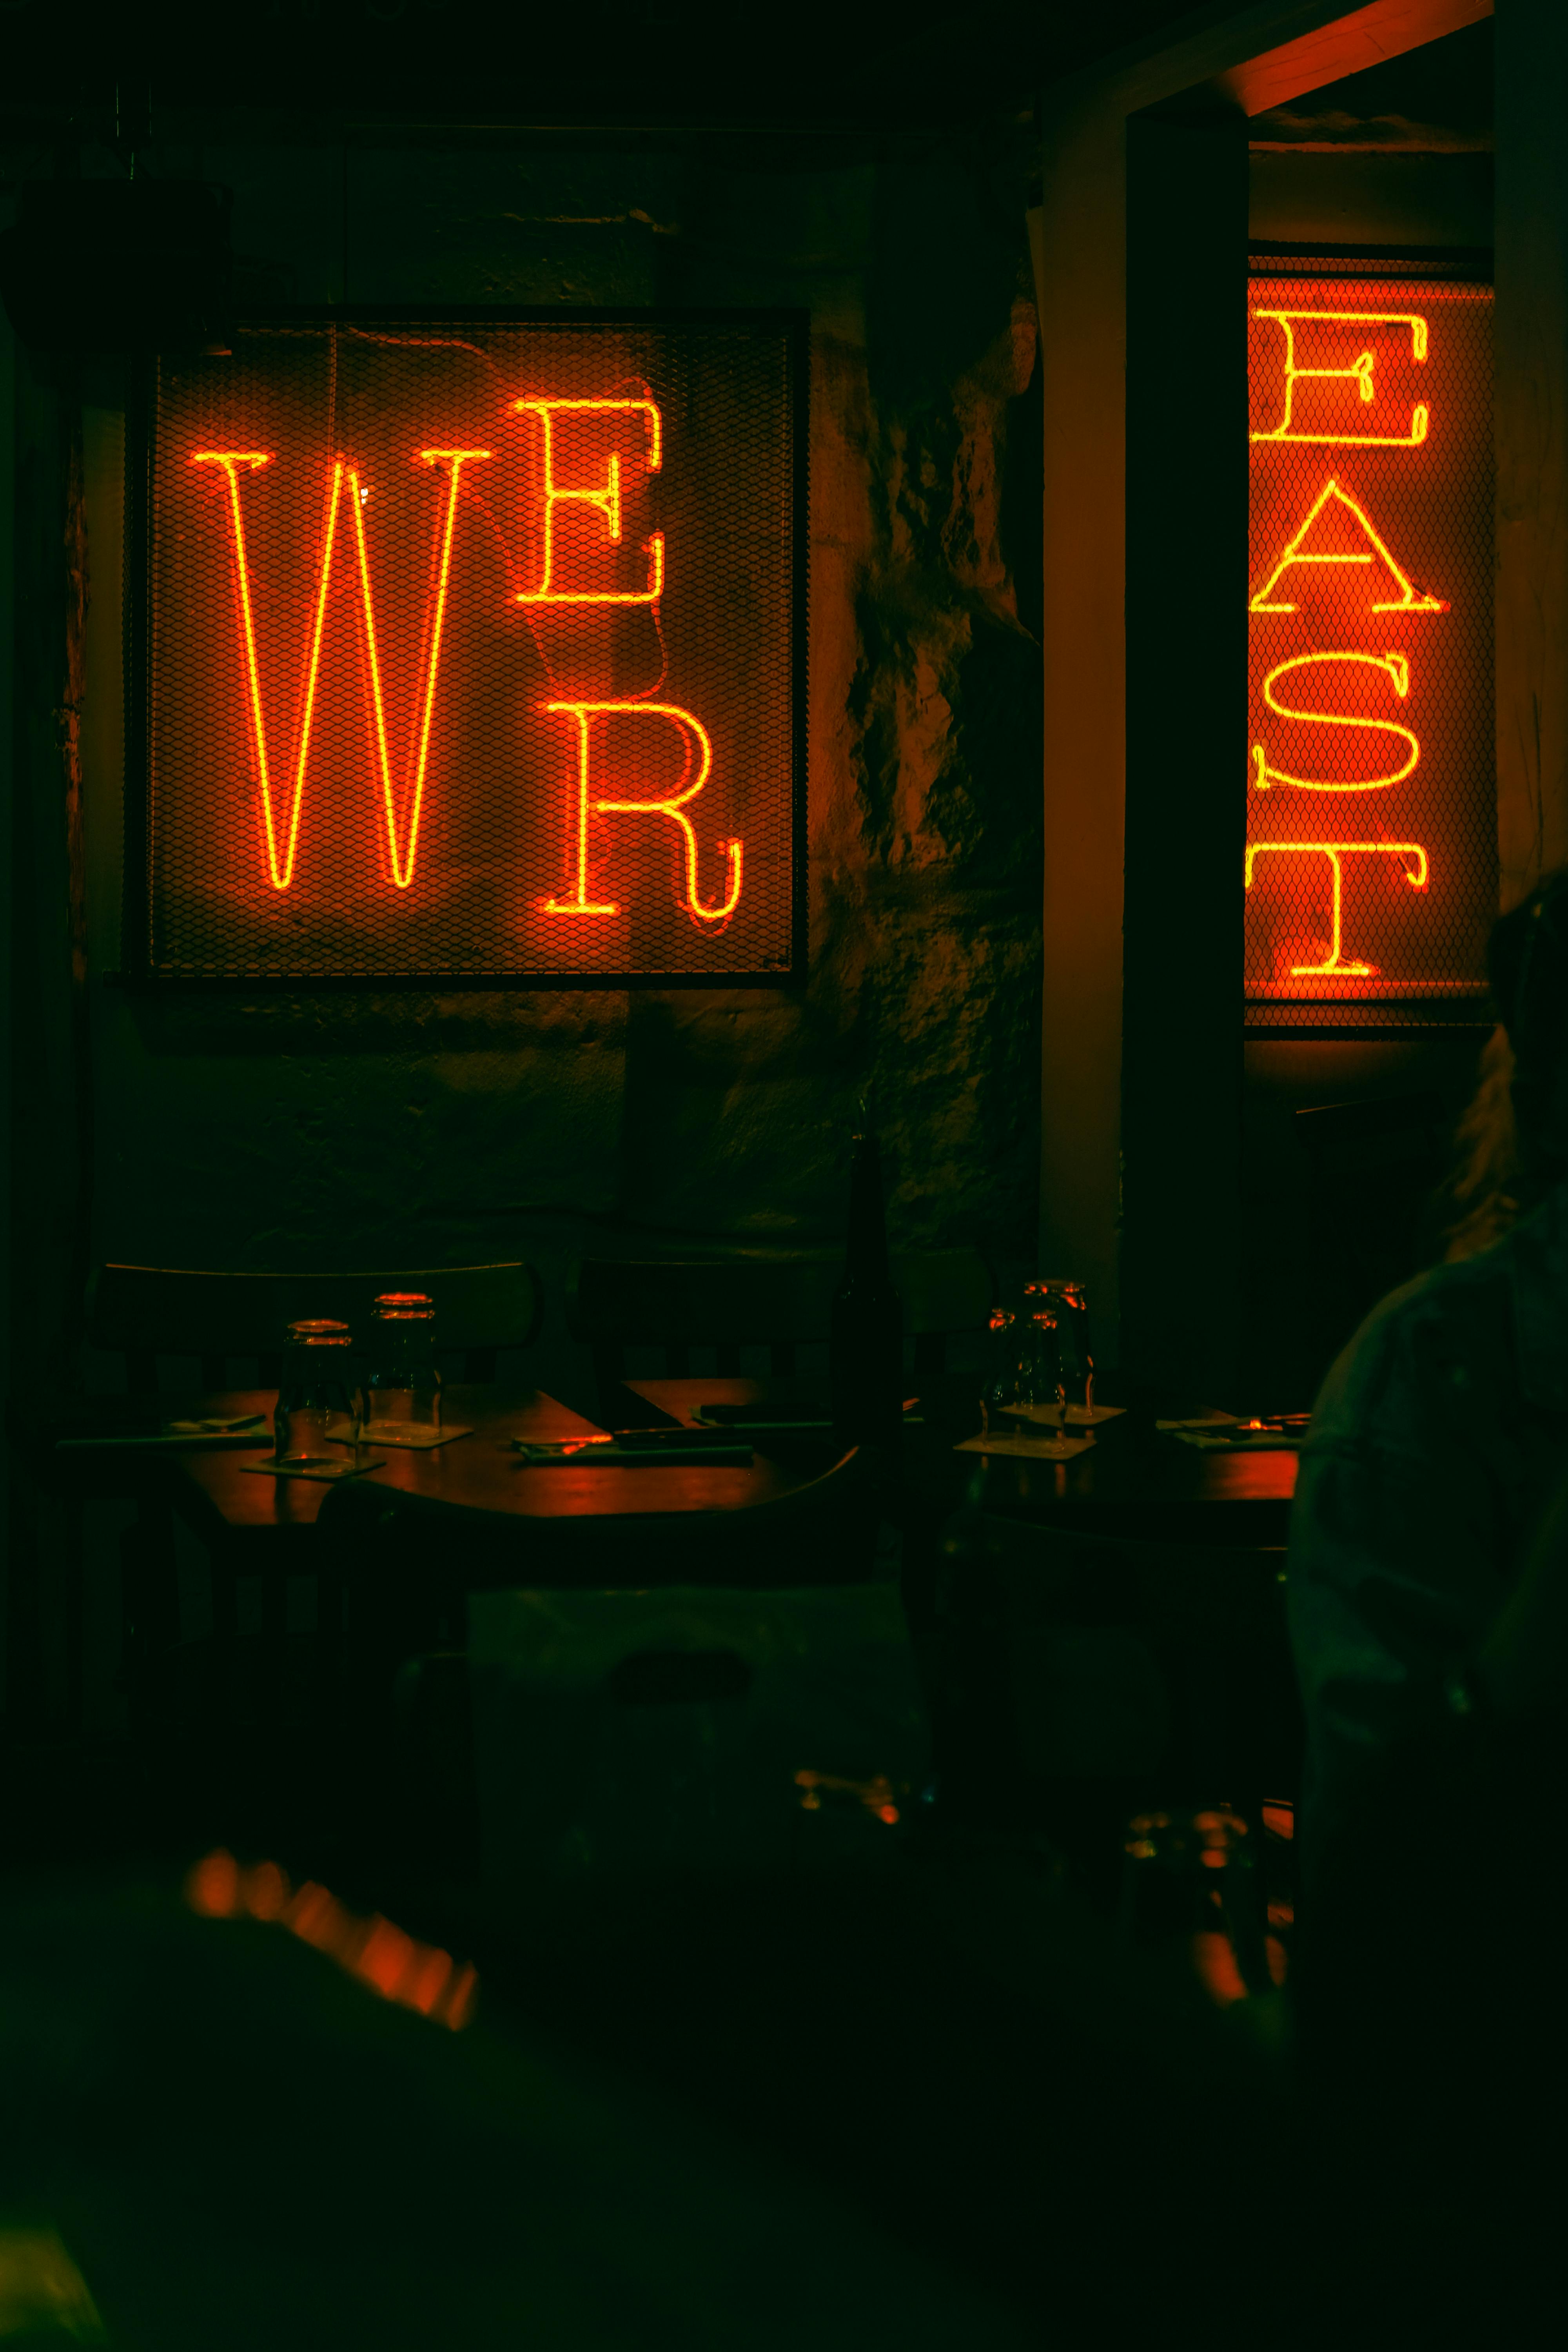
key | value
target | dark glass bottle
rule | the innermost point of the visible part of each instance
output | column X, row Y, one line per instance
column 865, row 1353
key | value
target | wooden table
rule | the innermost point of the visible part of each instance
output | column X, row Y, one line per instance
column 229, row 1504
column 1134, row 1481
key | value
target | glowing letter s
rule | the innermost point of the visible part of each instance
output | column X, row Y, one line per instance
column 1399, row 671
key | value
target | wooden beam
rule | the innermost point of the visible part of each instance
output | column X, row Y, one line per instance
column 1275, row 48
column 1347, row 46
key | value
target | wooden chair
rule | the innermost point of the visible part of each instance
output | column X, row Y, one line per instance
column 214, row 1323
column 144, row 1313
column 1076, row 1678
column 779, row 1304
column 410, row 1562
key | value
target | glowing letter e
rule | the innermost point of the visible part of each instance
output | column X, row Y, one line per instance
column 693, row 734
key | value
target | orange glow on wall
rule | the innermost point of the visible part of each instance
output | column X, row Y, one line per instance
column 1369, row 614
column 436, row 618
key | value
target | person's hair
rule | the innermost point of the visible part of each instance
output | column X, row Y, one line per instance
column 1513, row 1139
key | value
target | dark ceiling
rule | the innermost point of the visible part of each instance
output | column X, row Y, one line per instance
column 850, row 63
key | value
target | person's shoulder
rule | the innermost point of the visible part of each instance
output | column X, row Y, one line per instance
column 1452, row 1321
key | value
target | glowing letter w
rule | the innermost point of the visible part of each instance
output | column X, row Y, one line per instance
column 283, row 837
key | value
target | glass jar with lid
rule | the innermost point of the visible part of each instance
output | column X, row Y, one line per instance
column 320, row 1391
column 402, row 1379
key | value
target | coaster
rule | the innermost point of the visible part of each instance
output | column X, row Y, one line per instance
column 1028, row 1449
column 316, row 1467
column 416, row 1436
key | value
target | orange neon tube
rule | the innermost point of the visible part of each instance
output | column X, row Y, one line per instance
column 1407, row 601
column 280, row 865
column 1334, row 851
column 1397, row 668
column 673, row 806
column 607, row 498
column 1360, row 372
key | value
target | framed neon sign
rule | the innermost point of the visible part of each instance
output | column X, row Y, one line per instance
column 471, row 650
column 1371, row 870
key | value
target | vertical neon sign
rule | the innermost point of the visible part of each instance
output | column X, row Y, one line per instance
column 1370, row 872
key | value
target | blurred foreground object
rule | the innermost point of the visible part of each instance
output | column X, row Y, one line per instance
column 42, row 2292
column 416, row 1976
column 242, row 2152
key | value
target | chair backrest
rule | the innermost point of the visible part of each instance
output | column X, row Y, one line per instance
column 822, row 1531
column 779, row 1303
column 1078, row 1658
column 145, row 1312
column 694, row 1728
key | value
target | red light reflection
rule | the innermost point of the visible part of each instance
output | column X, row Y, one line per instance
column 381, row 1956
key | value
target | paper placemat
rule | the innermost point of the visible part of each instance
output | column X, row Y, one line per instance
column 1079, row 1416
column 1028, row 1449
column 414, row 1436
column 323, row 1473
column 540, row 1453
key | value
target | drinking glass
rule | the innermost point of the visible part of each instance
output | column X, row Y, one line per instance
column 319, row 1387
column 1056, row 1296
column 402, row 1379
column 1036, row 1354
column 999, row 1379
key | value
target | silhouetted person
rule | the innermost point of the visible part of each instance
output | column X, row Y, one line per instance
column 1428, row 1586
column 1442, row 1430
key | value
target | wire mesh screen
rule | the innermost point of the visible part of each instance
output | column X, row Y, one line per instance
column 473, row 649
column 1372, row 869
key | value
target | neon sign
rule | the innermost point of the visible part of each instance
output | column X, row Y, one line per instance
column 1370, row 621
column 607, row 499
column 1359, row 372
column 436, row 618
column 345, row 479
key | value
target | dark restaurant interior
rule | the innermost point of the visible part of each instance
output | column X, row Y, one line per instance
column 797, row 1575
